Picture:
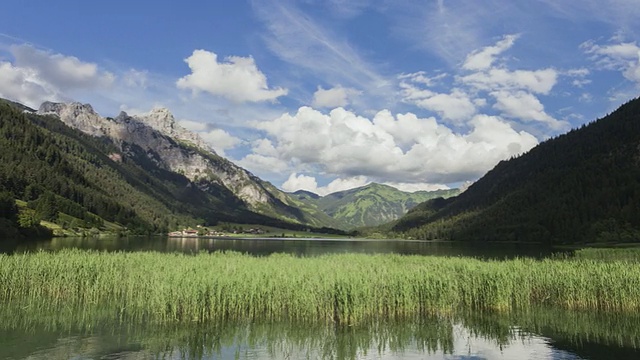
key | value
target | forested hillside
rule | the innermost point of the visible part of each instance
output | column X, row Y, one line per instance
column 580, row 187
column 77, row 180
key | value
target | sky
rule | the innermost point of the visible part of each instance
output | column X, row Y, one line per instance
column 333, row 94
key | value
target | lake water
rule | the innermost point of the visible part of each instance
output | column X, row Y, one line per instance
column 296, row 246
column 542, row 334
column 26, row 333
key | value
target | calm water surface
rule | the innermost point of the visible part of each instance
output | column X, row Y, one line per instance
column 544, row 334
column 26, row 333
column 296, row 246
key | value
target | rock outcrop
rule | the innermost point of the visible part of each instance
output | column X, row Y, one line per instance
column 169, row 145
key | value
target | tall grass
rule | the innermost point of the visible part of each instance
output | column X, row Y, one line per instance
column 340, row 288
column 609, row 254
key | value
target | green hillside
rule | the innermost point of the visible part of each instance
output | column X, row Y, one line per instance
column 370, row 205
column 71, row 179
column 581, row 187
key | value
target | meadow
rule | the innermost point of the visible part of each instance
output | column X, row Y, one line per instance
column 337, row 288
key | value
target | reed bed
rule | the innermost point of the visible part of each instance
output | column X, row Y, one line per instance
column 338, row 288
column 629, row 254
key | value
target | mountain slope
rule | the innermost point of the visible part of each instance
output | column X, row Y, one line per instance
column 583, row 186
column 90, row 179
column 369, row 205
column 158, row 143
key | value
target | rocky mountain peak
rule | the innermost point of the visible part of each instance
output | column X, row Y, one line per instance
column 160, row 119
column 75, row 114
column 163, row 121
column 122, row 117
column 74, row 108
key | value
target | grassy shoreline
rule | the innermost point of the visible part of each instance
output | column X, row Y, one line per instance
column 338, row 288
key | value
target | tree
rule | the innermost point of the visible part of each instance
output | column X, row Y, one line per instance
column 8, row 208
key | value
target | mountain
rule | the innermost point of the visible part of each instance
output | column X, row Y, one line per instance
column 369, row 205
column 580, row 187
column 156, row 139
column 143, row 173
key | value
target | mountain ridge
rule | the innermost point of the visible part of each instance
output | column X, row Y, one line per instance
column 580, row 187
column 369, row 205
column 83, row 178
column 157, row 136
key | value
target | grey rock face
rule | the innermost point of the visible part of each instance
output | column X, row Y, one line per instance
column 167, row 143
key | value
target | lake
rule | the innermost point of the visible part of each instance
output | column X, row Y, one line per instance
column 296, row 246
column 29, row 333
column 543, row 334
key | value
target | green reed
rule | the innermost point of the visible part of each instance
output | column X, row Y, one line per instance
column 629, row 254
column 340, row 288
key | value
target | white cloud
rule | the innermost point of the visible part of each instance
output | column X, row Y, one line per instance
column 220, row 140
column 421, row 77
column 524, row 106
column 190, row 125
column 297, row 182
column 237, row 78
column 24, row 86
column 388, row 148
column 36, row 75
column 447, row 29
column 263, row 164
column 303, row 182
column 63, row 72
column 537, row 81
column 136, row 78
column 623, row 57
column 484, row 58
column 456, row 106
column 317, row 52
column 484, row 76
column 337, row 96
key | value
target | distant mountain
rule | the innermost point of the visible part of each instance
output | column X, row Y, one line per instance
column 303, row 194
column 580, row 187
column 370, row 205
column 143, row 172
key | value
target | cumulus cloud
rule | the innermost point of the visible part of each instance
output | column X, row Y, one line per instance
column 262, row 163
column 63, row 72
column 402, row 148
column 36, row 75
column 220, row 140
column 303, row 182
column 484, row 76
column 236, row 78
column 524, row 106
column 455, row 106
column 484, row 58
column 335, row 97
column 24, row 86
column 623, row 57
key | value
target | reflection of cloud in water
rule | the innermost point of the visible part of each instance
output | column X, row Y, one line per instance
column 466, row 346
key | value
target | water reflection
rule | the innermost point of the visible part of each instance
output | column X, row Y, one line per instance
column 540, row 334
column 298, row 247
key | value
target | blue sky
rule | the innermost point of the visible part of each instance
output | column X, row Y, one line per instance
column 328, row 95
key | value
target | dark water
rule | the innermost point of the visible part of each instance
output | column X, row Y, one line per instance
column 29, row 333
column 540, row 334
column 299, row 247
